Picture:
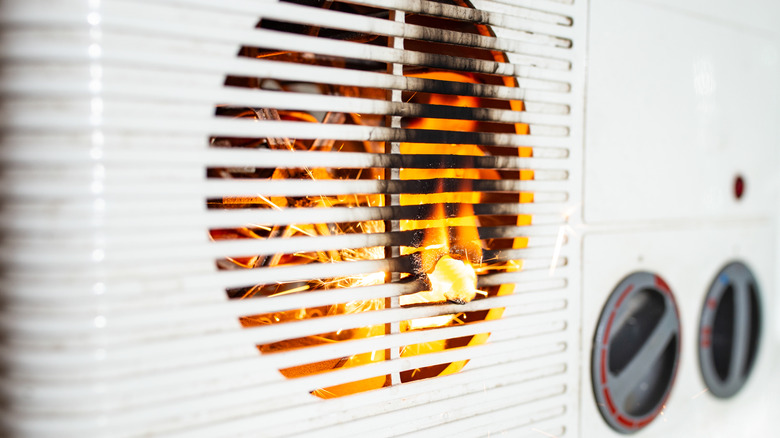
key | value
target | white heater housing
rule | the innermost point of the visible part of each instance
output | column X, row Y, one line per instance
column 651, row 134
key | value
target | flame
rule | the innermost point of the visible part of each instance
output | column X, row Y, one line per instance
column 450, row 253
column 455, row 237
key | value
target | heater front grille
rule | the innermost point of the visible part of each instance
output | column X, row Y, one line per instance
column 296, row 179
column 442, row 182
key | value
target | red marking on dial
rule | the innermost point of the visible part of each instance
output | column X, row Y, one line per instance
column 661, row 284
column 624, row 295
column 626, row 422
column 608, row 328
column 610, row 404
column 706, row 336
column 647, row 420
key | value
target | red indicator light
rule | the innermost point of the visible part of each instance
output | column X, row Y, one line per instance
column 739, row 187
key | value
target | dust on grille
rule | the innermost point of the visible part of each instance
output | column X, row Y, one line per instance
column 433, row 224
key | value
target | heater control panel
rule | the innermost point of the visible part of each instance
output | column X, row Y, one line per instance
column 699, row 288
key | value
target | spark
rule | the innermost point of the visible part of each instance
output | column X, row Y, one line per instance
column 326, row 201
column 511, row 265
column 302, row 231
column 697, row 395
column 251, row 291
column 557, row 252
column 544, row 433
column 290, row 291
column 249, row 264
column 269, row 202
column 323, row 339
column 570, row 211
column 323, row 393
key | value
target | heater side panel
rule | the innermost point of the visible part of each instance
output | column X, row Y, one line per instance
column 679, row 106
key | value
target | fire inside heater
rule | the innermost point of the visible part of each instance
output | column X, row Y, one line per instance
column 441, row 242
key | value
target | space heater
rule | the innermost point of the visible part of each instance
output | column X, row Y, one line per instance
column 525, row 218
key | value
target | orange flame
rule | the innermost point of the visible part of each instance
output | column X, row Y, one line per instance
column 454, row 238
column 450, row 252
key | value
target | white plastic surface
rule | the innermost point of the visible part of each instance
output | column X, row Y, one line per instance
column 688, row 258
column 682, row 97
column 678, row 105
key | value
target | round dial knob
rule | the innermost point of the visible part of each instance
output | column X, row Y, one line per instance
column 635, row 352
column 729, row 330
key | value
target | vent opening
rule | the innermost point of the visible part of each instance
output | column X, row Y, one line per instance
column 426, row 197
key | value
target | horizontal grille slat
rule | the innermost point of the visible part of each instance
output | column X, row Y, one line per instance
column 531, row 68
column 332, row 19
column 451, row 387
column 78, row 362
column 50, row 251
column 520, row 19
column 304, row 188
column 133, row 218
column 212, row 189
column 537, row 295
column 535, row 403
column 549, row 322
column 544, row 344
column 304, row 130
column 308, row 15
column 43, row 153
column 473, row 15
column 541, row 86
column 549, row 147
